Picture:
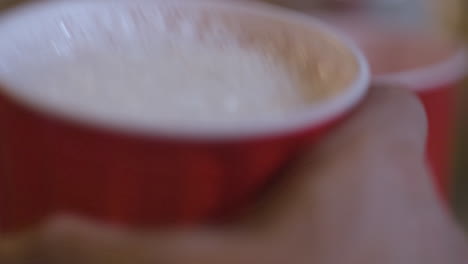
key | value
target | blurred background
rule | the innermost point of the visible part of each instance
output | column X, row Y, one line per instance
column 448, row 17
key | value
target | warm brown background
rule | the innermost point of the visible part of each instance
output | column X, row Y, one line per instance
column 9, row 3
column 461, row 183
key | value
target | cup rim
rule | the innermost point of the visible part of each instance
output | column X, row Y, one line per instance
column 313, row 116
column 430, row 77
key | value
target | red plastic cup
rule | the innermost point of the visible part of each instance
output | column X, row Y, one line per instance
column 56, row 160
column 437, row 86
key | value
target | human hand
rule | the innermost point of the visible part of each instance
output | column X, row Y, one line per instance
column 362, row 196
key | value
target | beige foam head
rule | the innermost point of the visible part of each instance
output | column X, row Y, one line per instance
column 312, row 50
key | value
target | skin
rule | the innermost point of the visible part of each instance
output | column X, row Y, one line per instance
column 364, row 195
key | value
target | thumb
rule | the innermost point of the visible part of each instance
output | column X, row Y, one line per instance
column 366, row 189
column 380, row 147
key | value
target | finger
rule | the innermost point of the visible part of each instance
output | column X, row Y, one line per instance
column 389, row 115
column 74, row 241
column 381, row 148
column 366, row 189
column 388, row 131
